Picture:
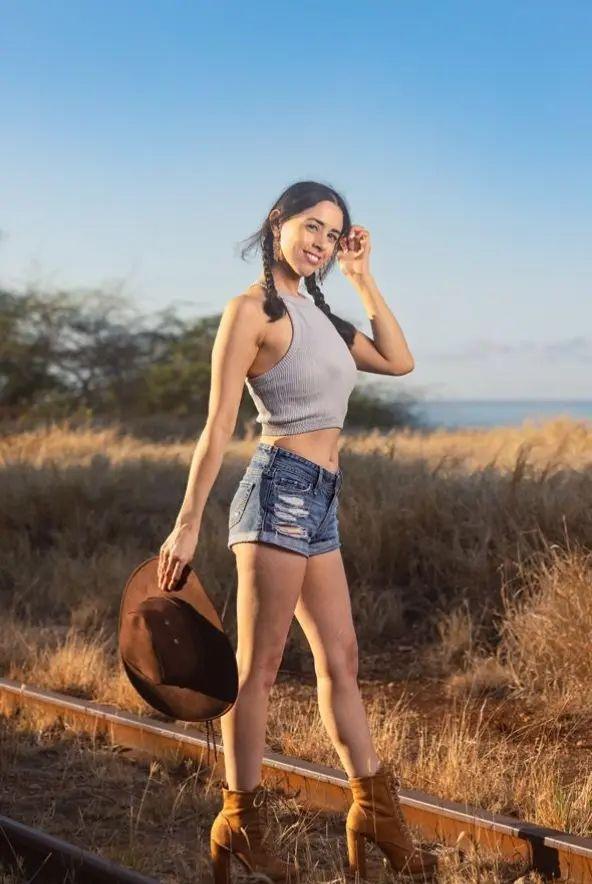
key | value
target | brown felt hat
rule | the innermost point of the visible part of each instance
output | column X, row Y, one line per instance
column 173, row 646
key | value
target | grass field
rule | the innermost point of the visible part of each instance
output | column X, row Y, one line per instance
column 469, row 565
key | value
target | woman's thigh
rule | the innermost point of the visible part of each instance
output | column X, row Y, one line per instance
column 269, row 583
column 324, row 613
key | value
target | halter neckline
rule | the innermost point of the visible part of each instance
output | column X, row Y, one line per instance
column 299, row 297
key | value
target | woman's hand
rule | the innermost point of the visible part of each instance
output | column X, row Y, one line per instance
column 353, row 254
column 177, row 550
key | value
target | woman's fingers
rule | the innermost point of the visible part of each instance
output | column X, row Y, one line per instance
column 170, row 576
column 166, row 574
column 173, row 574
column 173, row 557
column 164, row 564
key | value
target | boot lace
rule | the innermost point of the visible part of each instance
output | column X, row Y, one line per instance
column 394, row 783
column 261, row 797
column 256, row 828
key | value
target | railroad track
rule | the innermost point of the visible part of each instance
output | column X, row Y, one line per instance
column 552, row 853
column 46, row 858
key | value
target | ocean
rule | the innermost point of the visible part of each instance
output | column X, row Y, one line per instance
column 450, row 413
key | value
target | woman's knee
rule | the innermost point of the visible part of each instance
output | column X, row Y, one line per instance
column 261, row 671
column 340, row 662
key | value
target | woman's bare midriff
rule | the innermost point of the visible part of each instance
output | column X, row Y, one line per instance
column 320, row 446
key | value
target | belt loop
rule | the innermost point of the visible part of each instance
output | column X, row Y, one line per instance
column 272, row 456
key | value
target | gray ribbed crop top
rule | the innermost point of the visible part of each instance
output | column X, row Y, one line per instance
column 309, row 388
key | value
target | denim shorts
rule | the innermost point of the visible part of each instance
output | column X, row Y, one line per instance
column 287, row 500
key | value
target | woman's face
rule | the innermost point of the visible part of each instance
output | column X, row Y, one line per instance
column 313, row 234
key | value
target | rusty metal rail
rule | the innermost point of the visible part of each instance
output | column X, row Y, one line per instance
column 551, row 852
column 50, row 859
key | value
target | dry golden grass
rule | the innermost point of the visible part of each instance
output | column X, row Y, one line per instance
column 467, row 555
column 156, row 818
column 544, row 647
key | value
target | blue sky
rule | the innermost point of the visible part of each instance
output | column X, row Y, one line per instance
column 144, row 140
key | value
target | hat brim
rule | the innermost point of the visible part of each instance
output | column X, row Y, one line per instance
column 181, row 703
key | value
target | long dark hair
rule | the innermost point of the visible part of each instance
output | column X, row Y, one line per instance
column 295, row 199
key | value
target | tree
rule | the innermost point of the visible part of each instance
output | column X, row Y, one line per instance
column 91, row 351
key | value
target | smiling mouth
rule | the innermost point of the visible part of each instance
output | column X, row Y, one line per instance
column 314, row 259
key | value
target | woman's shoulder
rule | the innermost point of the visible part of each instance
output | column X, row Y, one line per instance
column 248, row 302
column 245, row 312
column 253, row 300
column 255, row 292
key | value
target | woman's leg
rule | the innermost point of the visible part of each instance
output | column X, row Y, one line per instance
column 324, row 613
column 269, row 583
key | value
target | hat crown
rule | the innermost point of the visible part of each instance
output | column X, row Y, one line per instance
column 174, row 648
column 162, row 642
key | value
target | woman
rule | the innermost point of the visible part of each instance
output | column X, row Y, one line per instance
column 299, row 362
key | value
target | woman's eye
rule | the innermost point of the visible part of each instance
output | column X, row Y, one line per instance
column 314, row 227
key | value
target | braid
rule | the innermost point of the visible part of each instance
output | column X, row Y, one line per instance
column 273, row 304
column 346, row 329
column 313, row 289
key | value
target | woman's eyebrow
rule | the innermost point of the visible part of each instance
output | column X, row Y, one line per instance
column 322, row 225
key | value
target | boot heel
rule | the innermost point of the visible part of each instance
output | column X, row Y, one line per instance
column 220, row 863
column 356, row 852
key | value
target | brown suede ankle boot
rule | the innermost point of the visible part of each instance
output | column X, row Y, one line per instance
column 237, row 831
column 376, row 814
